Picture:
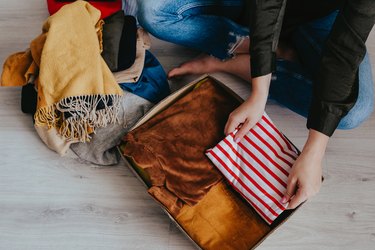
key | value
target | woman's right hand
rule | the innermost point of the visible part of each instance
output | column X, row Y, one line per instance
column 251, row 111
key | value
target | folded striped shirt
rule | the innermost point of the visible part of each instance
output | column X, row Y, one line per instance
column 258, row 166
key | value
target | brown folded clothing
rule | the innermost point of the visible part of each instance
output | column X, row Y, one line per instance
column 222, row 220
column 170, row 147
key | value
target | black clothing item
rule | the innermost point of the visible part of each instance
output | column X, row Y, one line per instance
column 29, row 98
column 303, row 11
column 112, row 32
column 128, row 43
column 336, row 81
column 119, row 41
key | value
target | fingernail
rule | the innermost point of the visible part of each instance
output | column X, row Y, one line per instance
column 283, row 200
column 237, row 140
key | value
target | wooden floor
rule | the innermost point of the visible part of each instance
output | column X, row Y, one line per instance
column 49, row 202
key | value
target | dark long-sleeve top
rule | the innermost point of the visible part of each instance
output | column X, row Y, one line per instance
column 336, row 81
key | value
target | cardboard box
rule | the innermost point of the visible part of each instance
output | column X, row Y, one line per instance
column 164, row 105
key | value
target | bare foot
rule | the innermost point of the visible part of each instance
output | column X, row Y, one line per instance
column 200, row 65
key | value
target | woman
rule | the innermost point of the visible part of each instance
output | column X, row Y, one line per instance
column 321, row 42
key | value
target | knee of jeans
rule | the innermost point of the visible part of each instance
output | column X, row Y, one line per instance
column 151, row 15
column 357, row 116
column 365, row 103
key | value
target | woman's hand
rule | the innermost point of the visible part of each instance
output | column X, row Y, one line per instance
column 305, row 179
column 249, row 112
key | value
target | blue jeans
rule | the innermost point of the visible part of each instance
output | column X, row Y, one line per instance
column 203, row 25
column 211, row 27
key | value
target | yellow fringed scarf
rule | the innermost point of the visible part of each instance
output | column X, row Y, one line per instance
column 76, row 90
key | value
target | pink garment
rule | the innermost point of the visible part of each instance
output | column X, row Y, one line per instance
column 258, row 166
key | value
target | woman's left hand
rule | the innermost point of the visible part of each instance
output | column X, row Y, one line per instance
column 305, row 178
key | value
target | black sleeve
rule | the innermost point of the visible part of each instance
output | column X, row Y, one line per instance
column 336, row 83
column 266, row 18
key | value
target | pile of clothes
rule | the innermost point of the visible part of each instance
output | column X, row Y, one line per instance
column 86, row 79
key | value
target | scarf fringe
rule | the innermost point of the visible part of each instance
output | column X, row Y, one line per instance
column 84, row 113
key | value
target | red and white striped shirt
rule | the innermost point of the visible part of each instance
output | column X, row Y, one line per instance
column 258, row 166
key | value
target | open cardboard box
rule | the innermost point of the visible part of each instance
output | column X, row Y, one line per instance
column 164, row 105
